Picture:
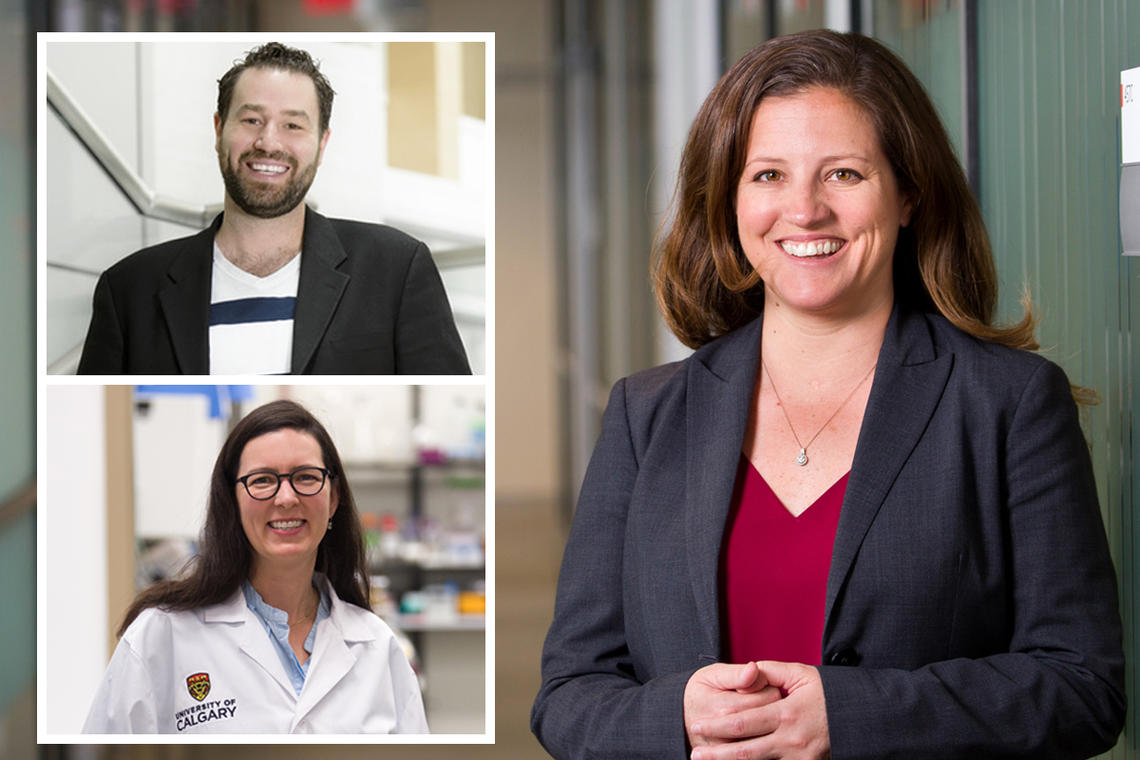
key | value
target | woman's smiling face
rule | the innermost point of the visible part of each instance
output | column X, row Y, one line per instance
column 818, row 208
column 287, row 527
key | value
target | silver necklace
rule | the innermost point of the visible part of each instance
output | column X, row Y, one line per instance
column 802, row 457
column 306, row 618
column 313, row 614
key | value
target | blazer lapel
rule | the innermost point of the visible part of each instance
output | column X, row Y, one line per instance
column 320, row 289
column 719, row 387
column 909, row 381
column 186, row 302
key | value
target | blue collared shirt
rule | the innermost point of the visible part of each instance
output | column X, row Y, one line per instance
column 276, row 624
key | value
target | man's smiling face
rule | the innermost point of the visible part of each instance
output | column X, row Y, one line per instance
column 269, row 144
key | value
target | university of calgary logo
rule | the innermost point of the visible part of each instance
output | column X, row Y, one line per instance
column 198, row 685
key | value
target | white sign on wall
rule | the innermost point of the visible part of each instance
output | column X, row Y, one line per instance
column 1130, row 116
column 1130, row 162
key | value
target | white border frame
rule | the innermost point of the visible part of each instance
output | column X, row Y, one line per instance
column 487, row 381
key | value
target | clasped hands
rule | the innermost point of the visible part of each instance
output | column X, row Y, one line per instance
column 756, row 710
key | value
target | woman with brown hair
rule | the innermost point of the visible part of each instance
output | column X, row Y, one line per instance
column 270, row 631
column 860, row 520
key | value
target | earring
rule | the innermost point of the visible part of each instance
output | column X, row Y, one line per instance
column 330, row 525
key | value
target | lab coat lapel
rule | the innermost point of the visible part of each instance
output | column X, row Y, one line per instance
column 251, row 637
column 186, row 302
column 719, row 387
column 333, row 655
column 909, row 382
column 320, row 289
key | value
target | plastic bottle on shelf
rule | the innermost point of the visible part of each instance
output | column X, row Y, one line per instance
column 372, row 550
column 389, row 537
column 479, row 433
column 381, row 598
column 441, row 602
column 473, row 601
column 464, row 546
column 427, row 445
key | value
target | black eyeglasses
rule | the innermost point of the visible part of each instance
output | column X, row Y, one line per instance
column 306, row 481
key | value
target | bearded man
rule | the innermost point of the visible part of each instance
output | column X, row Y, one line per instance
column 272, row 287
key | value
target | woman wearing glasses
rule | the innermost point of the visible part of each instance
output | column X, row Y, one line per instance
column 270, row 631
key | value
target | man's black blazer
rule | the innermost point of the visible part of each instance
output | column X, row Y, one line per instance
column 369, row 301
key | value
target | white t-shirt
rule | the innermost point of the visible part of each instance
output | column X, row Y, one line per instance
column 251, row 318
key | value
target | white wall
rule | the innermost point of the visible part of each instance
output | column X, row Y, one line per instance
column 374, row 423
column 175, row 443
column 178, row 96
column 90, row 224
column 73, row 513
column 366, row 422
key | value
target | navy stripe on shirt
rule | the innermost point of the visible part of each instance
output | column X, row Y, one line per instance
column 252, row 310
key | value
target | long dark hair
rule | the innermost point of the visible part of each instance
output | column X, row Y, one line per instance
column 224, row 556
column 705, row 285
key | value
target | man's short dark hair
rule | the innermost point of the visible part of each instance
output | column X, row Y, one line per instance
column 274, row 55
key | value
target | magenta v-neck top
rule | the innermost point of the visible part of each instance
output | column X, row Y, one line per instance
column 773, row 572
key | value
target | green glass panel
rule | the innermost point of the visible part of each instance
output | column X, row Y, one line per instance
column 1049, row 150
column 18, row 600
column 17, row 362
column 929, row 40
column 17, row 286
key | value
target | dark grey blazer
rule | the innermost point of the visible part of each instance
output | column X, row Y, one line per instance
column 369, row 301
column 971, row 605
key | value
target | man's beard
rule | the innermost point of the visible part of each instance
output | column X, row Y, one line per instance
column 262, row 199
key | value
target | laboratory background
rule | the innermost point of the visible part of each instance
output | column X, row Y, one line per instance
column 132, row 164
column 593, row 99
column 126, row 479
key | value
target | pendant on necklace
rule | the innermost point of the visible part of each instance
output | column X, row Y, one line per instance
column 802, row 459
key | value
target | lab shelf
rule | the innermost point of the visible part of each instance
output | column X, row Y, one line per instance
column 419, row 623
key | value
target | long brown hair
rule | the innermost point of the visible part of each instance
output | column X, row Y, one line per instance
column 224, row 555
column 704, row 284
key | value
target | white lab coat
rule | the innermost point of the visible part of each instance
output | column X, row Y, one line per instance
column 359, row 680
